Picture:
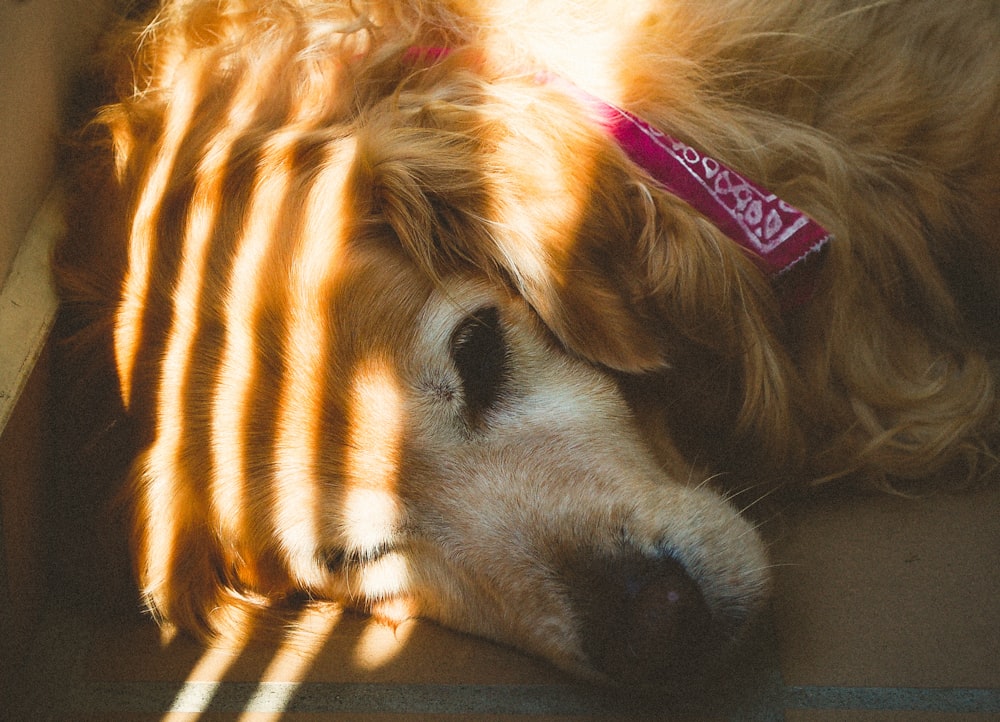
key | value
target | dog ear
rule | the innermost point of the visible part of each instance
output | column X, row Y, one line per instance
column 641, row 281
column 590, row 306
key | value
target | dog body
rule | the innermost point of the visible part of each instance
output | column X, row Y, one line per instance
column 402, row 327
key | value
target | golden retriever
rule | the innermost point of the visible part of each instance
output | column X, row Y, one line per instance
column 405, row 325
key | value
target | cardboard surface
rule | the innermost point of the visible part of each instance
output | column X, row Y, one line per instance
column 886, row 609
column 891, row 592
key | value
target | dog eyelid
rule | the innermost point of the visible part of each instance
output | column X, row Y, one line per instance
column 338, row 559
column 334, row 559
column 481, row 357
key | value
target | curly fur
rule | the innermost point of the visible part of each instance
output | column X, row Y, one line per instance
column 236, row 124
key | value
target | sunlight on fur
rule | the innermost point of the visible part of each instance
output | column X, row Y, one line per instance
column 376, row 423
column 237, row 369
column 379, row 644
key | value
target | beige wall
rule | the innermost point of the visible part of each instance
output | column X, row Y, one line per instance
column 41, row 41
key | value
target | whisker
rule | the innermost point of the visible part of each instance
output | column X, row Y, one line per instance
column 767, row 494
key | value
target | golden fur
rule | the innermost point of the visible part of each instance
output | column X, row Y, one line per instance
column 298, row 226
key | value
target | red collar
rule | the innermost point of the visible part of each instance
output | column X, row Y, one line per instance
column 777, row 235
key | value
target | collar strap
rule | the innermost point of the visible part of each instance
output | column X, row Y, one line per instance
column 778, row 235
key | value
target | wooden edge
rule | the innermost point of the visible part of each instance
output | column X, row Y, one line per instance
column 28, row 304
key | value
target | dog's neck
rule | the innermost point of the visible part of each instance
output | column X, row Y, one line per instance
column 778, row 236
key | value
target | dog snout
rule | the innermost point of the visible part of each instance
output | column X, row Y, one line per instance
column 644, row 621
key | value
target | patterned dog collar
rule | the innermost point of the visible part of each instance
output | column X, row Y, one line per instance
column 776, row 233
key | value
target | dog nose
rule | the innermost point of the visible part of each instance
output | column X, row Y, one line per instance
column 645, row 622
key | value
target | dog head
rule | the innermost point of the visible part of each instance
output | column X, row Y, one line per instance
column 378, row 322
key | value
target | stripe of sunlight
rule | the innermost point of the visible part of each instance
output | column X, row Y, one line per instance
column 169, row 501
column 298, row 430
column 372, row 511
column 167, row 454
column 292, row 662
column 166, row 492
column 237, row 371
column 297, row 493
column 573, row 48
column 142, row 236
column 198, row 690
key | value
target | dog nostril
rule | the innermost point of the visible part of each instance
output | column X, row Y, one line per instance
column 645, row 620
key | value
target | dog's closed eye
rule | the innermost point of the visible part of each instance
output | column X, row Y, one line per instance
column 480, row 354
column 338, row 559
